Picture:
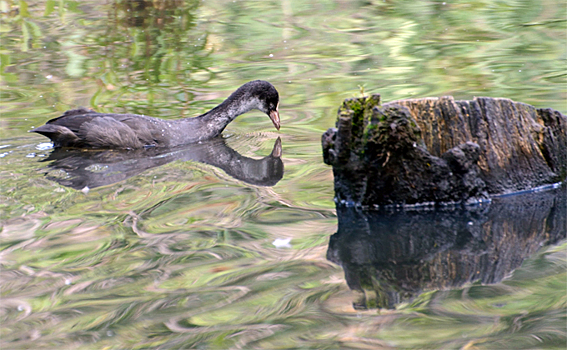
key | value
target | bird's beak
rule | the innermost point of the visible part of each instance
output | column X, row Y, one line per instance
column 275, row 117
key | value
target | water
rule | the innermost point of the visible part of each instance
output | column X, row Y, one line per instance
column 178, row 250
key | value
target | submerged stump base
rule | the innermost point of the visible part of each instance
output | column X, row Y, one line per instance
column 438, row 150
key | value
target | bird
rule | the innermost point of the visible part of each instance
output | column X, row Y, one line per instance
column 85, row 128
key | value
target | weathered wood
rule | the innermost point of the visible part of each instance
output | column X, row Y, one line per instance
column 442, row 150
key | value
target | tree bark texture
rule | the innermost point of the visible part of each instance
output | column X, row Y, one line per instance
column 442, row 150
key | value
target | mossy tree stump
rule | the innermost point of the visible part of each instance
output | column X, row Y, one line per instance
column 442, row 150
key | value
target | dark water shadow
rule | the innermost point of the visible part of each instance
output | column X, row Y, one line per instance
column 95, row 168
column 391, row 257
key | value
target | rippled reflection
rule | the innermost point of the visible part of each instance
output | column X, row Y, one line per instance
column 181, row 256
column 93, row 168
column 390, row 257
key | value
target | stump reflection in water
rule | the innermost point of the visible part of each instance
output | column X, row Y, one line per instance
column 391, row 257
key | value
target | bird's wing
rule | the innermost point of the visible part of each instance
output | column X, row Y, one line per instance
column 106, row 130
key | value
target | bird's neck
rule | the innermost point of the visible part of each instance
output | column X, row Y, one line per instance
column 219, row 117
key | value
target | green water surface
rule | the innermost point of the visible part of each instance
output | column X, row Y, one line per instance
column 182, row 256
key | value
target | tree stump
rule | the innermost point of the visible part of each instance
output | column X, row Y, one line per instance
column 441, row 150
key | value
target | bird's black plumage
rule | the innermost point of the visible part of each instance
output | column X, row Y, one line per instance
column 82, row 128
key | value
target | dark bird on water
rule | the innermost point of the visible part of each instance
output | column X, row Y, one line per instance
column 83, row 128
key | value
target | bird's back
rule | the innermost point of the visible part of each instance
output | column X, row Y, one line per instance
column 86, row 128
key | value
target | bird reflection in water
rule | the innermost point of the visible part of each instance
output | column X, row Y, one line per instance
column 86, row 169
column 390, row 257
